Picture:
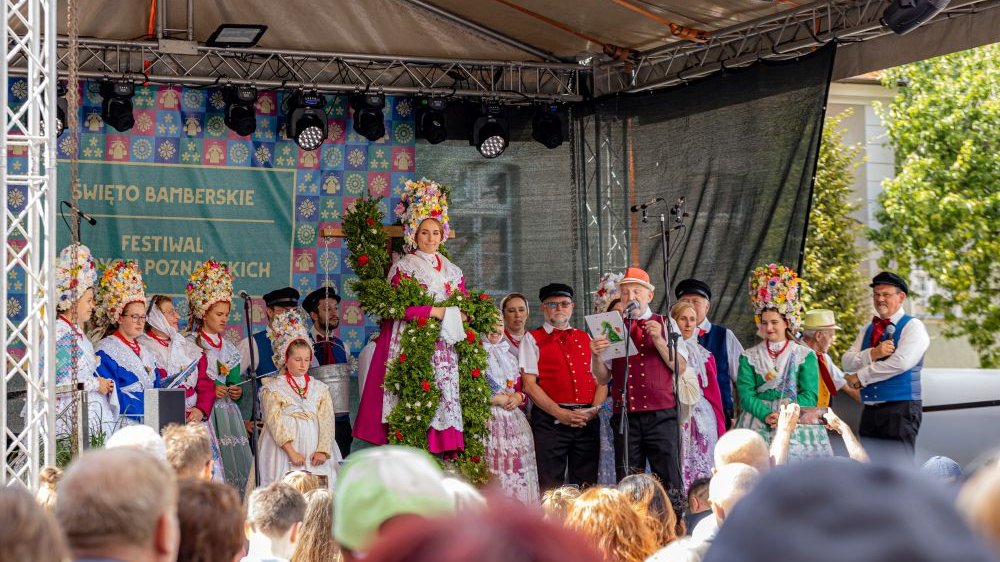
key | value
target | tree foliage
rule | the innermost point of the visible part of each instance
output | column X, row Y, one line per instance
column 941, row 213
column 832, row 257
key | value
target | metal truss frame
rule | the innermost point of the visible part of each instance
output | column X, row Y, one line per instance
column 150, row 61
column 784, row 35
column 29, row 241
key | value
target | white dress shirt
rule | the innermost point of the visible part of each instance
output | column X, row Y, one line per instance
column 913, row 344
column 733, row 348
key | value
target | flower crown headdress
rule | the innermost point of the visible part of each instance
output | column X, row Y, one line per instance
column 287, row 328
column 607, row 291
column 421, row 200
column 75, row 273
column 779, row 288
column 210, row 282
column 120, row 285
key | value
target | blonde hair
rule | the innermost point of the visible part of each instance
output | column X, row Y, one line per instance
column 556, row 502
column 619, row 531
column 189, row 449
column 979, row 502
column 316, row 533
column 303, row 482
column 679, row 306
column 48, row 482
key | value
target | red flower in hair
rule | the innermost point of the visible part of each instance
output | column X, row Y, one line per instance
column 402, row 358
column 426, row 386
column 422, row 321
column 475, row 373
column 470, row 336
column 362, row 260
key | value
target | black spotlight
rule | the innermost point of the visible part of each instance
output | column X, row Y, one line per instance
column 240, row 114
column 305, row 122
column 489, row 132
column 903, row 16
column 62, row 109
column 116, row 107
column 546, row 126
column 368, row 119
column 431, row 124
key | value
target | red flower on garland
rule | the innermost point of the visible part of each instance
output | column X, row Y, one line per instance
column 426, row 386
column 402, row 358
column 475, row 373
column 399, row 436
column 484, row 297
column 475, row 459
column 422, row 321
column 470, row 336
column 362, row 260
column 370, row 221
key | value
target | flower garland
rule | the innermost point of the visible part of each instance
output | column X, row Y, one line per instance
column 411, row 376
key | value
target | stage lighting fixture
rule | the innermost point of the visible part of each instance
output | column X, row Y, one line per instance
column 116, row 104
column 431, row 123
column 369, row 121
column 236, row 35
column 62, row 109
column 240, row 114
column 489, row 132
column 903, row 16
column 305, row 122
column 546, row 126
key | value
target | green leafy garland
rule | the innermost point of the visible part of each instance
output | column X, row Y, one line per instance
column 410, row 376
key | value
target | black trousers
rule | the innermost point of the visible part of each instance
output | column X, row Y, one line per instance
column 565, row 455
column 653, row 438
column 343, row 435
column 889, row 430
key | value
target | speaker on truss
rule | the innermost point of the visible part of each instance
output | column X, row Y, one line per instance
column 903, row 16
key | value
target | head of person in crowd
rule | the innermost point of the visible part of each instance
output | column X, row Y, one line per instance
column 210, row 297
column 274, row 519
column 819, row 329
column 119, row 504
column 322, row 305
column 316, row 542
column 831, row 510
column 76, row 277
column 729, row 485
column 649, row 499
column 279, row 301
column 636, row 290
column 698, row 504
column 697, row 293
column 139, row 437
column 515, row 313
column 742, row 446
column 888, row 293
column 29, row 532
column 189, row 450
column 684, row 314
column 381, row 487
column 557, row 304
column 302, row 481
column 557, row 501
column 942, row 469
column 607, row 295
column 979, row 502
column 48, row 484
column 507, row 532
column 466, row 497
column 606, row 517
column 211, row 521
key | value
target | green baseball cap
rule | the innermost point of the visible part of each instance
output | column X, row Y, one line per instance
column 377, row 484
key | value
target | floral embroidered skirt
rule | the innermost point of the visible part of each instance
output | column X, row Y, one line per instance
column 510, row 454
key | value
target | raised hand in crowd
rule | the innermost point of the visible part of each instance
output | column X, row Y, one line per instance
column 851, row 441
column 786, row 420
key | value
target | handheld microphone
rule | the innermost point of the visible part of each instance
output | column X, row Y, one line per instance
column 244, row 295
column 80, row 213
column 646, row 205
column 889, row 331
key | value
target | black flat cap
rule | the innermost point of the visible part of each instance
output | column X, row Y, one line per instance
column 890, row 278
column 286, row 296
column 311, row 302
column 693, row 287
column 555, row 290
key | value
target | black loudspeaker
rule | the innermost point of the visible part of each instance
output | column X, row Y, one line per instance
column 903, row 16
column 163, row 406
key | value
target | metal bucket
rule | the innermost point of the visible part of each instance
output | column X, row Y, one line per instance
column 338, row 379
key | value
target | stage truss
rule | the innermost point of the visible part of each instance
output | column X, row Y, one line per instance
column 29, row 242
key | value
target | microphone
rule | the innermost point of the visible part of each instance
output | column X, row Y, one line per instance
column 889, row 331
column 678, row 209
column 244, row 295
column 646, row 205
column 81, row 214
column 632, row 307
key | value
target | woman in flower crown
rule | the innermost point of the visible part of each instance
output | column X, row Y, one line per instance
column 76, row 277
column 779, row 370
column 423, row 210
column 210, row 295
column 298, row 411
column 183, row 365
column 121, row 310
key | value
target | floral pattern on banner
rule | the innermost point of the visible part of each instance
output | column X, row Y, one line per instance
column 186, row 126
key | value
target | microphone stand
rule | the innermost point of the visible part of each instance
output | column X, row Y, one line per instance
column 623, row 422
column 254, row 407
